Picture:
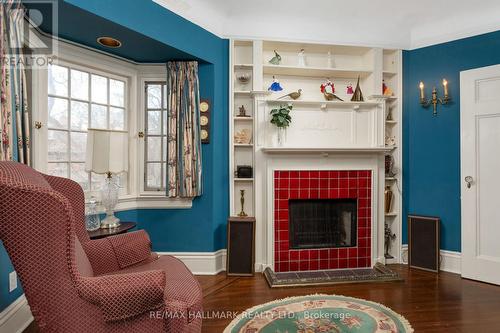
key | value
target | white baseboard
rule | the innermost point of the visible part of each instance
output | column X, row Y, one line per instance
column 16, row 317
column 260, row 267
column 451, row 261
column 202, row 263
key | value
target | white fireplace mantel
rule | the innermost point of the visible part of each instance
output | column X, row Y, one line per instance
column 353, row 150
column 302, row 159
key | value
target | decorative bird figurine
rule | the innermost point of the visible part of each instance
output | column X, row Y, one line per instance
column 276, row 60
column 293, row 95
column 328, row 90
column 331, row 96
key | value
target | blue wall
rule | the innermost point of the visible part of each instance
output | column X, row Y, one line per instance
column 202, row 228
column 431, row 160
column 6, row 298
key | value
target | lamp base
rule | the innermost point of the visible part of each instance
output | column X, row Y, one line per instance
column 109, row 195
column 109, row 222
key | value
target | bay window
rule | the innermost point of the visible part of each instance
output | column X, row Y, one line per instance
column 86, row 89
column 79, row 99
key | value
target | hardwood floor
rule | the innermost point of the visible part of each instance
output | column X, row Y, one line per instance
column 432, row 303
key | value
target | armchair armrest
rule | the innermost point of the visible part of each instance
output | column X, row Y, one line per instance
column 123, row 296
column 117, row 252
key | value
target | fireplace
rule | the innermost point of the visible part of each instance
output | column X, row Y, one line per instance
column 322, row 223
column 322, row 219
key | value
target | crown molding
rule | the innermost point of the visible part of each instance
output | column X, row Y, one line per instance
column 436, row 39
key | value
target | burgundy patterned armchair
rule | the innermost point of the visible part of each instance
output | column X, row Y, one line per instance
column 74, row 284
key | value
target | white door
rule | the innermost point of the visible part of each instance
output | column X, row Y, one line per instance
column 480, row 148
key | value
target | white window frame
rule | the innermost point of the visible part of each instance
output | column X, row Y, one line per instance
column 126, row 106
column 162, row 135
column 135, row 76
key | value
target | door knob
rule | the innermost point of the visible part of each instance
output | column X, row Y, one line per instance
column 469, row 180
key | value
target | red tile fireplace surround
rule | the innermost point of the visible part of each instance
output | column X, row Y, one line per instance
column 321, row 184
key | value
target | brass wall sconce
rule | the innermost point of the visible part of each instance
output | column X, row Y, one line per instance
column 434, row 100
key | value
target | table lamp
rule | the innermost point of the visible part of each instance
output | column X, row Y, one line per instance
column 107, row 153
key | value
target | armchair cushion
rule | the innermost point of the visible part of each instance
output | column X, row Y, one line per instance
column 131, row 248
column 123, row 296
column 116, row 252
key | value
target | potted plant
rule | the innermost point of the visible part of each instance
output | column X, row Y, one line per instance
column 280, row 117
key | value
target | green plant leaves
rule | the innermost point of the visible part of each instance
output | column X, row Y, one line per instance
column 281, row 116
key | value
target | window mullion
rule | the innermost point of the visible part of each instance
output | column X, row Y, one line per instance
column 89, row 124
column 69, row 122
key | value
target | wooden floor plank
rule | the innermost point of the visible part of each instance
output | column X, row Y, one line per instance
column 432, row 303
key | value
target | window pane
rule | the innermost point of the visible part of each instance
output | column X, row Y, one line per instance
column 58, row 145
column 79, row 175
column 164, row 158
column 165, row 123
column 154, row 122
column 58, row 169
column 99, row 89
column 116, row 118
column 164, row 180
column 79, row 116
column 154, row 96
column 116, row 93
column 78, row 146
column 58, row 80
column 121, row 181
column 164, row 96
column 154, row 175
column 154, row 148
column 98, row 117
column 79, row 85
column 97, row 181
column 58, row 113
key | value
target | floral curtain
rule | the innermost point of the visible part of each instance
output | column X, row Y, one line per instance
column 183, row 130
column 14, row 112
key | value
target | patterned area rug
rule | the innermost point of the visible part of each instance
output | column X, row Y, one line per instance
column 319, row 313
column 293, row 279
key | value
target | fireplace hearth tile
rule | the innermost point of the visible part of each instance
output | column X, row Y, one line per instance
column 321, row 184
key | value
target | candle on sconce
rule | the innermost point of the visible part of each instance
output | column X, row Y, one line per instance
column 422, row 95
column 445, row 86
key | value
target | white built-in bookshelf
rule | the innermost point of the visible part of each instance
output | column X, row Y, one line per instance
column 367, row 120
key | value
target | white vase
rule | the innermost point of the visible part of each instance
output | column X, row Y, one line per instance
column 281, row 136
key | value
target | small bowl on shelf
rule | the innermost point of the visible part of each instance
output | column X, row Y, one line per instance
column 243, row 78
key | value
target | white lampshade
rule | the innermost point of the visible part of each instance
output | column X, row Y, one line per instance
column 107, row 151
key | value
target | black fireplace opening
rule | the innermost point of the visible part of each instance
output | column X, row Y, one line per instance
column 322, row 223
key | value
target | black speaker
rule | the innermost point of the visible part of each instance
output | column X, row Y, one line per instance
column 423, row 242
column 240, row 246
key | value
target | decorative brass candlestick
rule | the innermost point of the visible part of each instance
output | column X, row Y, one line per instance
column 242, row 201
column 434, row 100
column 388, row 236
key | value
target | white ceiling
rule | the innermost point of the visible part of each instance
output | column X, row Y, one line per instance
column 386, row 23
